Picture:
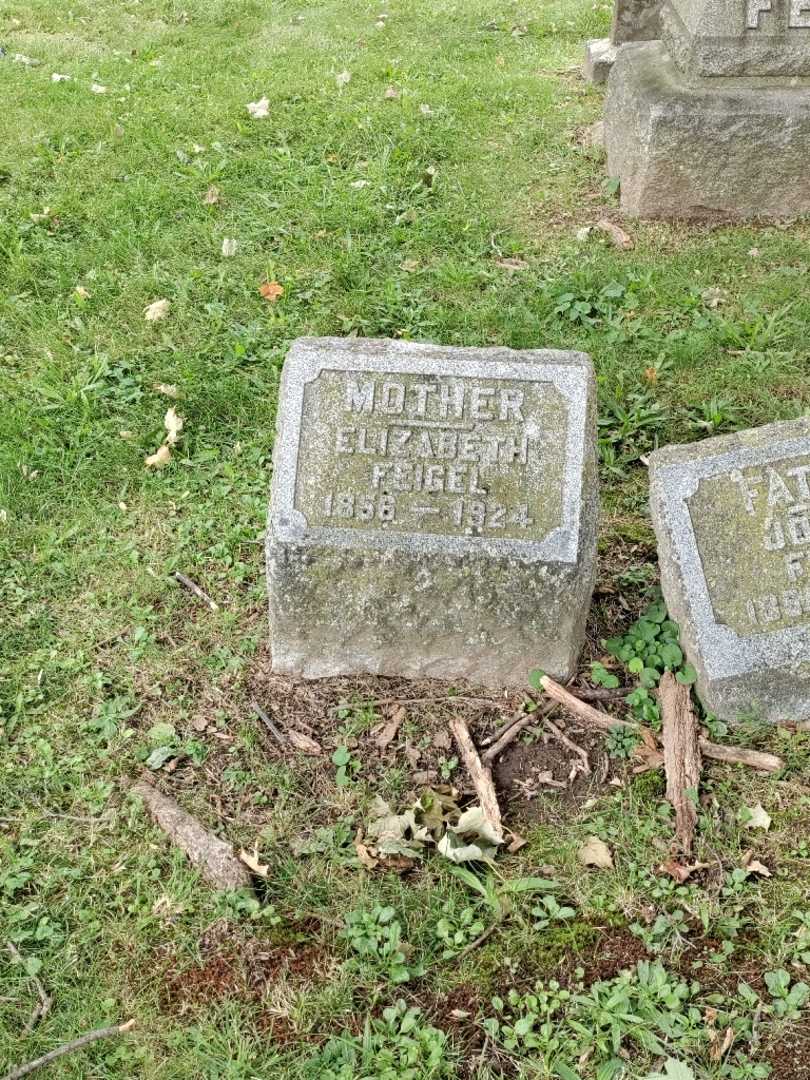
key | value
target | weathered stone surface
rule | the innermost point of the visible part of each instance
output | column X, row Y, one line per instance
column 636, row 20
column 763, row 39
column 633, row 20
column 732, row 517
column 704, row 150
column 433, row 511
column 600, row 56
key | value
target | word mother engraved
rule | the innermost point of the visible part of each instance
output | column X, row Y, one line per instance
column 452, row 455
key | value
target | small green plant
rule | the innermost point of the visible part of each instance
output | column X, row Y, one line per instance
column 714, row 416
column 621, row 742
column 243, row 905
column 376, row 938
column 549, row 911
column 347, row 766
column 447, row 766
column 399, row 1046
column 455, row 929
column 788, row 998
column 600, row 676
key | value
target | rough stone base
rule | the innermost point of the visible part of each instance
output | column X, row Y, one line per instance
column 701, row 151
column 600, row 56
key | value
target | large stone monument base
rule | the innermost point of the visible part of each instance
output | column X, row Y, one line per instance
column 712, row 150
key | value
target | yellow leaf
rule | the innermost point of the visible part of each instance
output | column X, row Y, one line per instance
column 251, row 861
column 158, row 310
column 595, row 852
column 160, row 459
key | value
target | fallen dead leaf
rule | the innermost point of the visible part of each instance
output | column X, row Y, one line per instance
column 259, row 109
column 754, row 866
column 391, row 94
column 516, row 843
column 426, row 110
column 229, row 246
column 343, row 78
column 97, row 88
column 57, row 77
column 442, row 740
column 173, row 424
column 271, row 291
column 759, row 818
column 252, row 862
column 512, row 265
column 303, row 742
column 169, row 389
column 410, row 266
column 680, row 872
column 157, row 310
column 211, row 197
column 714, row 297
column 618, row 237
column 388, row 732
column 595, row 852
column 720, row 1047
column 160, row 459
column 82, row 293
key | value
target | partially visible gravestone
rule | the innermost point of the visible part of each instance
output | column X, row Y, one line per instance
column 433, row 511
column 633, row 20
column 713, row 122
column 732, row 517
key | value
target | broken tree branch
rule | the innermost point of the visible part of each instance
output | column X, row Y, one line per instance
column 192, row 586
column 682, row 761
column 561, row 737
column 214, row 858
column 730, row 755
column 268, row 723
column 509, row 733
column 43, row 1006
column 479, row 773
column 68, row 1048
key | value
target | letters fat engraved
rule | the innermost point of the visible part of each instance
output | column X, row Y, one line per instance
column 798, row 14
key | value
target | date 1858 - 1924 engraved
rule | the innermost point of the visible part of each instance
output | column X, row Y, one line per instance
column 453, row 455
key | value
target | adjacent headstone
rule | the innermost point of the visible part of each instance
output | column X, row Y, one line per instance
column 633, row 20
column 732, row 516
column 433, row 511
column 713, row 122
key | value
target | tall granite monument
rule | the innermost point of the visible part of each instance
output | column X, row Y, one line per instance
column 732, row 516
column 633, row 20
column 433, row 511
column 713, row 121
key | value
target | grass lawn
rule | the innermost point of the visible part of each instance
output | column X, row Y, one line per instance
column 437, row 194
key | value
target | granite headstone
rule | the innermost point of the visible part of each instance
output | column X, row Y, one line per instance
column 713, row 121
column 433, row 511
column 732, row 517
column 633, row 20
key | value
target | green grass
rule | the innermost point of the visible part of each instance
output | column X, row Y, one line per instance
column 97, row 645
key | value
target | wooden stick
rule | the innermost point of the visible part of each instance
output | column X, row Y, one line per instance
column 68, row 1048
column 601, row 693
column 595, row 717
column 192, row 586
column 214, row 858
column 479, row 774
column 268, row 723
column 741, row 755
column 510, row 733
column 43, row 1007
column 560, row 736
column 731, row 755
column 682, row 761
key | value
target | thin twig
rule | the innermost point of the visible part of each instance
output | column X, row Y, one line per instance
column 68, row 1048
column 560, row 736
column 601, row 693
column 44, row 1006
column 473, row 945
column 192, row 586
column 268, row 723
column 518, row 725
column 478, row 773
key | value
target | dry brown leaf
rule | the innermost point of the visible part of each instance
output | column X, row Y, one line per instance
column 680, row 872
column 82, row 293
column 754, row 866
column 160, row 459
column 442, row 740
column 271, row 291
column 169, row 389
column 595, row 852
column 516, row 843
column 212, row 196
column 303, row 742
column 260, row 109
column 719, row 1048
column 759, row 818
column 618, row 237
column 156, row 311
column 388, row 732
column 513, row 265
column 253, row 863
column 173, row 424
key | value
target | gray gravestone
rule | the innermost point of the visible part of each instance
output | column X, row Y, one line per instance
column 732, row 516
column 633, row 20
column 433, row 511
column 713, row 122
